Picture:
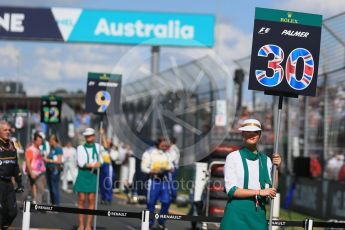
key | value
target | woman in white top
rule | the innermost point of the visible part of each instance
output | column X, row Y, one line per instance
column 88, row 160
column 247, row 175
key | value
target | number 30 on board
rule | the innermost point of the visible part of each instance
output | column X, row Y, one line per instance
column 290, row 68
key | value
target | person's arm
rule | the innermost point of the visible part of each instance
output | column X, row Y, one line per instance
column 276, row 160
column 103, row 138
column 18, row 176
column 230, row 176
column 81, row 158
column 231, row 183
column 145, row 163
column 245, row 193
column 28, row 158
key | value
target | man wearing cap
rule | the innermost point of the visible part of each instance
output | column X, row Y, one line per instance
column 247, row 175
column 88, row 160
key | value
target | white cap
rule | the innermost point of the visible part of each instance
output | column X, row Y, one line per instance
column 89, row 132
column 42, row 135
column 250, row 125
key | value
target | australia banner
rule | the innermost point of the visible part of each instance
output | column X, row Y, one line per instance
column 106, row 26
column 285, row 52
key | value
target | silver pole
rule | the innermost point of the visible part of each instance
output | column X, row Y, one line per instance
column 276, row 144
column 154, row 70
column 325, row 123
column 306, row 128
column 97, row 184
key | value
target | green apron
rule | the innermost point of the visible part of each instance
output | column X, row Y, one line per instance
column 242, row 214
column 86, row 181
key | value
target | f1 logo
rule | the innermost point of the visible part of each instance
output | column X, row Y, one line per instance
column 264, row 30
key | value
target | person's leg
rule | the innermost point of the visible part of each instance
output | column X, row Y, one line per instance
column 55, row 181
column 165, row 199
column 91, row 198
column 41, row 189
column 11, row 205
column 49, row 176
column 152, row 196
column 108, row 184
column 64, row 177
column 81, row 201
column 34, row 192
column 102, row 180
column 2, row 203
column 174, row 184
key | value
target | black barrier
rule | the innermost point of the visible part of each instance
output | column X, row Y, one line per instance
column 139, row 215
column 284, row 223
column 185, row 218
column 109, row 213
column 329, row 224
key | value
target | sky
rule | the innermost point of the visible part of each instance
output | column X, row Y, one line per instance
column 47, row 66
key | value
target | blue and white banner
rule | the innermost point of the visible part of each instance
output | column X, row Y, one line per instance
column 105, row 26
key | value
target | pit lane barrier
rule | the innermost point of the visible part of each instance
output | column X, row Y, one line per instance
column 145, row 216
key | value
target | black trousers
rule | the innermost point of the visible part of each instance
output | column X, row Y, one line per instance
column 8, row 203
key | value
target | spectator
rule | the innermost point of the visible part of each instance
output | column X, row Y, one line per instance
column 333, row 166
column 126, row 172
column 8, row 168
column 44, row 147
column 54, row 167
column 174, row 154
column 341, row 174
column 35, row 168
column 315, row 166
column 106, row 172
column 89, row 160
column 69, row 159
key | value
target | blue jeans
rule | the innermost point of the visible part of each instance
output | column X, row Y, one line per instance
column 53, row 181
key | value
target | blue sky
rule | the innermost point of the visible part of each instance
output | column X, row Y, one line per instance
column 44, row 66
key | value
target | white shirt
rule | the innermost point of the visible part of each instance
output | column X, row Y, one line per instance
column 154, row 157
column 82, row 155
column 114, row 154
column 174, row 154
column 69, row 154
column 234, row 172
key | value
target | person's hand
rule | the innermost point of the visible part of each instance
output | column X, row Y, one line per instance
column 97, row 165
column 155, row 171
column 19, row 189
column 276, row 159
column 270, row 192
column 33, row 176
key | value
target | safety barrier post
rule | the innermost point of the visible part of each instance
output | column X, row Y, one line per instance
column 145, row 220
column 308, row 225
column 26, row 215
column 276, row 209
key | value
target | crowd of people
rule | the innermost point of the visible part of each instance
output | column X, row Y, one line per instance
column 49, row 167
